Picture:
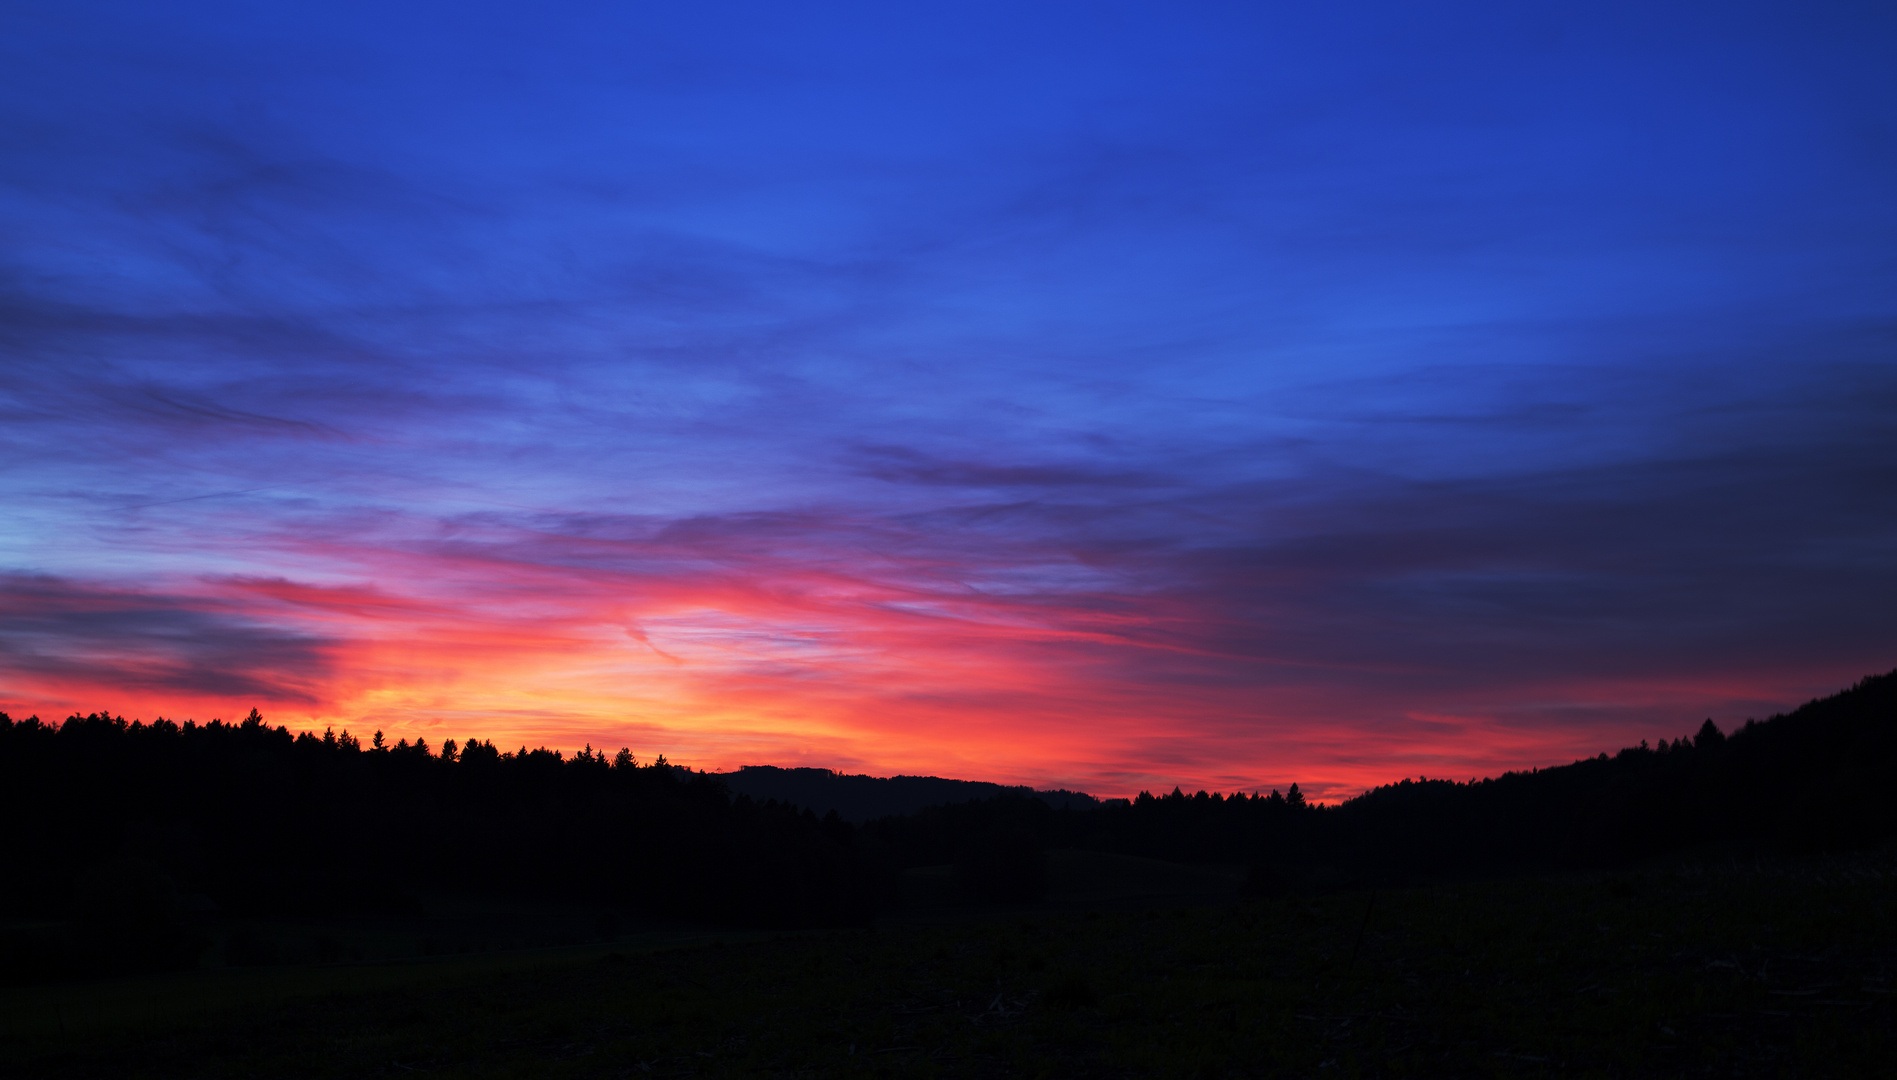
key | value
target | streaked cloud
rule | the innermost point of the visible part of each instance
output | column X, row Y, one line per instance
column 1223, row 399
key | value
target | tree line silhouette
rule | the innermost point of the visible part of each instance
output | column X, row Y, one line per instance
column 121, row 829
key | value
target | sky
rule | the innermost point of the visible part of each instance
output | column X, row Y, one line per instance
column 1109, row 396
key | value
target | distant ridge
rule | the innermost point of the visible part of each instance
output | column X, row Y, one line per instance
column 857, row 798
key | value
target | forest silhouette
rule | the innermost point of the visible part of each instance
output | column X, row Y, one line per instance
column 124, row 836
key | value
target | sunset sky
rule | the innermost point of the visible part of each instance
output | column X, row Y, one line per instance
column 1105, row 395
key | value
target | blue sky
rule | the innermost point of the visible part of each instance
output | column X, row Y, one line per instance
column 1223, row 394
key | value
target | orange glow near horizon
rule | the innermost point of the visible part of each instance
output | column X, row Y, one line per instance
column 882, row 668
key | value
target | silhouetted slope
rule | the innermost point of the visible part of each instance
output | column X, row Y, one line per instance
column 858, row 798
column 1821, row 777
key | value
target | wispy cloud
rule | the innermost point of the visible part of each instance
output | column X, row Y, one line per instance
column 73, row 640
column 1206, row 402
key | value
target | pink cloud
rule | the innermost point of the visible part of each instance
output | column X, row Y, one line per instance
column 845, row 641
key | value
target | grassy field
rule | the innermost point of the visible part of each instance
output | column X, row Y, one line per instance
column 1133, row 968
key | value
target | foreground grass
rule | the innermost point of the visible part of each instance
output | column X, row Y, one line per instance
column 1717, row 971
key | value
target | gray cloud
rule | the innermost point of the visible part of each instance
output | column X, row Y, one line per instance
column 92, row 637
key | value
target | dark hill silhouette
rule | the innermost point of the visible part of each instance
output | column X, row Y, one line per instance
column 858, row 798
column 1822, row 777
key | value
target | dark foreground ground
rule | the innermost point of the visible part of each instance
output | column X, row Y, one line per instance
column 1714, row 968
